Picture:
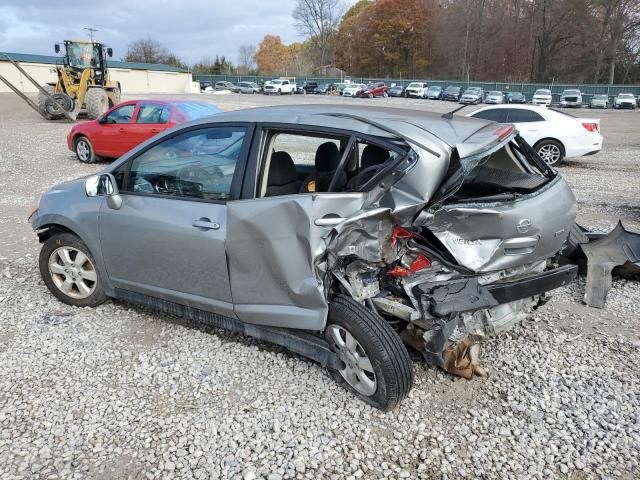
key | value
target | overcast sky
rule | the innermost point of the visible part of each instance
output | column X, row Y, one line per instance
column 189, row 28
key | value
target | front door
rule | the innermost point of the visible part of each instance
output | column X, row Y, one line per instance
column 168, row 238
column 113, row 132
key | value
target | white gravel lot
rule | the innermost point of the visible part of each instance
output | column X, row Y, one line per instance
column 120, row 392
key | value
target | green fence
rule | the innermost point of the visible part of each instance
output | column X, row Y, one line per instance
column 527, row 88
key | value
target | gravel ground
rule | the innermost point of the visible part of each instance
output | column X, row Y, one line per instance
column 120, row 392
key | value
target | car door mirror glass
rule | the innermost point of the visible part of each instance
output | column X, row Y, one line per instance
column 100, row 185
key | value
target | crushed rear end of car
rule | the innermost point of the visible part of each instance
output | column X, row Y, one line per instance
column 450, row 265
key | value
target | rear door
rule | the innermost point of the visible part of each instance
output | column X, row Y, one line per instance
column 151, row 118
column 276, row 244
column 530, row 124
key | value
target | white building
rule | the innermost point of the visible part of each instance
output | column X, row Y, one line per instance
column 133, row 77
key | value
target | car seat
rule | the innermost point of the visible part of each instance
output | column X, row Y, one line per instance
column 283, row 178
column 326, row 161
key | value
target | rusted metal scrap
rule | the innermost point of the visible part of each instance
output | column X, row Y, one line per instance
column 617, row 253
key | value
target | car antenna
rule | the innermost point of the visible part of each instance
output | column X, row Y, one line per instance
column 449, row 115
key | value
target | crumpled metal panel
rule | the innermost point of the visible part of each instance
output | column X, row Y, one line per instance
column 486, row 237
column 274, row 249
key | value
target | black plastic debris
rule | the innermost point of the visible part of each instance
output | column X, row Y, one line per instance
column 617, row 253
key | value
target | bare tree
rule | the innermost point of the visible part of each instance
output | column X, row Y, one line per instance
column 318, row 20
column 247, row 57
column 147, row 51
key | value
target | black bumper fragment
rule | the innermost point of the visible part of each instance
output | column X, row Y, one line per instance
column 445, row 298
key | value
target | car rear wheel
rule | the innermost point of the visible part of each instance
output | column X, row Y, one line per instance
column 69, row 271
column 371, row 95
column 376, row 364
column 550, row 151
column 84, row 150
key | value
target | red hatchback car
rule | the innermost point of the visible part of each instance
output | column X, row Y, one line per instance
column 378, row 89
column 130, row 123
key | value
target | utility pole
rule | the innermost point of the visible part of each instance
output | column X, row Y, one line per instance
column 90, row 30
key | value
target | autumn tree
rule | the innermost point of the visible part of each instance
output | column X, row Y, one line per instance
column 272, row 55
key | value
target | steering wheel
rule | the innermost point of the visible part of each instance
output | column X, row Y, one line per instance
column 194, row 177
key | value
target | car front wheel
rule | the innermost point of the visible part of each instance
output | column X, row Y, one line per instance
column 69, row 271
column 375, row 364
column 84, row 150
column 550, row 151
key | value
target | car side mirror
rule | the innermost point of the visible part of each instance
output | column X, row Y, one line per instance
column 104, row 185
column 110, row 52
column 102, row 119
column 56, row 47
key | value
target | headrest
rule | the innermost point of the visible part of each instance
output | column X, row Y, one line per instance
column 373, row 155
column 282, row 170
column 327, row 157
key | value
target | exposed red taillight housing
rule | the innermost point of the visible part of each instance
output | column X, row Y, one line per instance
column 591, row 127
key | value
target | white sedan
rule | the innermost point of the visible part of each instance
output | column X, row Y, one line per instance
column 553, row 134
column 352, row 89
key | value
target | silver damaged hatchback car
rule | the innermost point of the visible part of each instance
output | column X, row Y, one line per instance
column 352, row 236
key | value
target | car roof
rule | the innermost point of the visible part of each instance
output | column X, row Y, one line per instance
column 360, row 119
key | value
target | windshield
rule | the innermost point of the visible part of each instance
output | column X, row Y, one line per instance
column 495, row 93
column 626, row 95
column 571, row 92
column 434, row 88
column 276, row 82
column 452, row 89
column 516, row 94
column 197, row 110
column 543, row 92
column 415, row 85
column 83, row 55
column 599, row 97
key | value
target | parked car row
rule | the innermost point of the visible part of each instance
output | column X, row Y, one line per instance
column 570, row 98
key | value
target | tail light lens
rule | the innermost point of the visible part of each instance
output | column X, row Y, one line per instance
column 591, row 127
column 503, row 131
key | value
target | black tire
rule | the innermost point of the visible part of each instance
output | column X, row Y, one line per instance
column 96, row 102
column 551, row 145
column 69, row 240
column 389, row 358
column 84, row 150
column 371, row 95
column 42, row 100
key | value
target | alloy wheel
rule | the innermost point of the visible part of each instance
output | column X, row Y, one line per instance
column 358, row 371
column 72, row 272
column 83, row 150
column 550, row 153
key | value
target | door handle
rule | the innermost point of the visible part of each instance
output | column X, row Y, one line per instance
column 204, row 224
column 122, row 130
column 155, row 130
column 328, row 221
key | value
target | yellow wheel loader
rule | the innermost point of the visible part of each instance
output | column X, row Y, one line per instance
column 83, row 83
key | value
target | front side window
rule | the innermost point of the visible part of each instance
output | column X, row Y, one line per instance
column 197, row 164
column 121, row 115
column 150, row 113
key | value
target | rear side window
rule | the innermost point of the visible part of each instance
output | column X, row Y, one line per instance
column 150, row 113
column 494, row 114
column 517, row 115
column 197, row 110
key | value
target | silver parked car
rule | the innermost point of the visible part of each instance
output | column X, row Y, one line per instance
column 494, row 98
column 349, row 235
column 472, row 95
column 571, row 98
column 248, row 87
